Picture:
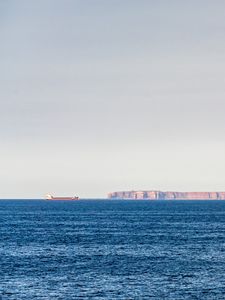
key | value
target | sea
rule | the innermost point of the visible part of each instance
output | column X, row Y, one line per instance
column 111, row 249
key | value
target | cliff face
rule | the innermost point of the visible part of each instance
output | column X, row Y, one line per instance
column 154, row 195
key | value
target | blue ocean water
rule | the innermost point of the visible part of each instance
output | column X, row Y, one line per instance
column 112, row 250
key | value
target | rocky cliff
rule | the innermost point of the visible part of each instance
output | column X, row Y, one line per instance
column 159, row 195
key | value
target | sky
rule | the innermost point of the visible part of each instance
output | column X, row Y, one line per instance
column 99, row 96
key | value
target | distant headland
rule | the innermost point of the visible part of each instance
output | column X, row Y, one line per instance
column 159, row 195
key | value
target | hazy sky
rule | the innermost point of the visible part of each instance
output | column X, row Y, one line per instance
column 105, row 95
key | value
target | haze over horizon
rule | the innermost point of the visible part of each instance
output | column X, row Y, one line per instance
column 99, row 96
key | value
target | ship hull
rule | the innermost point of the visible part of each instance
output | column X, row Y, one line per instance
column 63, row 198
column 51, row 198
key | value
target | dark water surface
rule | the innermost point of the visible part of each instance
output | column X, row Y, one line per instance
column 112, row 250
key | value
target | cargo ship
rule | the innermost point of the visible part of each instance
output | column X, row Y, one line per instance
column 50, row 197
